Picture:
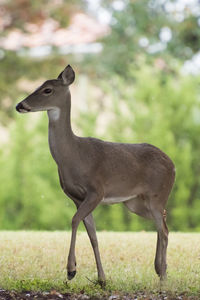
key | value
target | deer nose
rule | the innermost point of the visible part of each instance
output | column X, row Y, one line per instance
column 19, row 106
column 22, row 107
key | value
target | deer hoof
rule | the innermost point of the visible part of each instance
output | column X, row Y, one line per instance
column 71, row 275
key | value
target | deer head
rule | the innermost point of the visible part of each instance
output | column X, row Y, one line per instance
column 49, row 96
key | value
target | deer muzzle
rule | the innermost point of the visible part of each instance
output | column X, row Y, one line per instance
column 23, row 107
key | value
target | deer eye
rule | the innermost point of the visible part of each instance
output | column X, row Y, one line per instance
column 47, row 91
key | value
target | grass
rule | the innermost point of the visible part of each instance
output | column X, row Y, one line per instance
column 36, row 261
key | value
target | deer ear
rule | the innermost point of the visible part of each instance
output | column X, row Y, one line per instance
column 67, row 75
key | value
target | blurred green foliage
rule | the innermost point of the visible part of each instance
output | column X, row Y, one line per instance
column 153, row 28
column 157, row 108
column 144, row 97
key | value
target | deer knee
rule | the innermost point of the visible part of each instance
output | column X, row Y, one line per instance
column 75, row 222
column 165, row 228
column 164, row 238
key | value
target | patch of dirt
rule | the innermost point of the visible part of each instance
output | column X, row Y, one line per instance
column 13, row 295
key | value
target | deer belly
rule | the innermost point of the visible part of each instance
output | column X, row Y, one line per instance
column 114, row 200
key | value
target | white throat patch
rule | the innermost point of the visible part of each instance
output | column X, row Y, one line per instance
column 54, row 114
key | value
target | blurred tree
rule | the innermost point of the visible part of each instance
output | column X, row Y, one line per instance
column 17, row 14
column 152, row 28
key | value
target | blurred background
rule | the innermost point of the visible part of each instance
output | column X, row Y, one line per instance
column 137, row 67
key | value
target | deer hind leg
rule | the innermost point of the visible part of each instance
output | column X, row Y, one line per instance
column 143, row 207
column 162, row 242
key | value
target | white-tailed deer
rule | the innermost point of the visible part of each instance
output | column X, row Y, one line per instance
column 93, row 171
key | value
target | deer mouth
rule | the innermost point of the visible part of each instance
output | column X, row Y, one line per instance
column 23, row 107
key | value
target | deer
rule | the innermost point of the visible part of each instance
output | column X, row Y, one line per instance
column 93, row 172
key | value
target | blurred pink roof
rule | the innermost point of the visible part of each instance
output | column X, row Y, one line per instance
column 82, row 30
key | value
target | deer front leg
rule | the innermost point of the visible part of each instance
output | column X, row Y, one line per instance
column 91, row 230
column 86, row 207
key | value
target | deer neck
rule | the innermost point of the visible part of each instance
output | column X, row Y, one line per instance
column 61, row 136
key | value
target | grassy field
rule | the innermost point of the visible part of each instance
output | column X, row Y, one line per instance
column 36, row 261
